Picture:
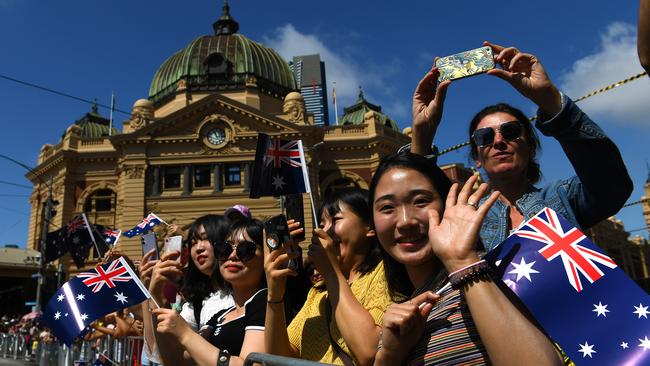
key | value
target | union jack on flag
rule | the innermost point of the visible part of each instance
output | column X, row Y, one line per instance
column 601, row 321
column 75, row 224
column 99, row 277
column 576, row 258
column 111, row 236
column 283, row 152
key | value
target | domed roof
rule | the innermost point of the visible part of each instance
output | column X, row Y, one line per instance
column 93, row 125
column 225, row 60
column 354, row 114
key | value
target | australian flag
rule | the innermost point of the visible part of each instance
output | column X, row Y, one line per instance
column 90, row 295
column 583, row 300
column 279, row 169
column 144, row 226
column 76, row 237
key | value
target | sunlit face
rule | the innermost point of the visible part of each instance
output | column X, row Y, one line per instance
column 238, row 272
column 402, row 201
column 503, row 156
column 349, row 232
column 202, row 253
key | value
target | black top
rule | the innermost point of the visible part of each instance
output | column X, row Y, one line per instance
column 230, row 336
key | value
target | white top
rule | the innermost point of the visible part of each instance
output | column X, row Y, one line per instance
column 214, row 303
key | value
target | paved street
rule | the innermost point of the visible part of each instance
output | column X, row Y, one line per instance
column 12, row 362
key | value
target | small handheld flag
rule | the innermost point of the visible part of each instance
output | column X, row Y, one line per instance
column 144, row 226
column 279, row 168
column 90, row 295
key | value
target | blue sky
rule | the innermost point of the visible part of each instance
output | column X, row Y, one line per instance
column 90, row 48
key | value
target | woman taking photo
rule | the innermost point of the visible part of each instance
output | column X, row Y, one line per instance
column 428, row 231
column 343, row 313
column 232, row 333
column 203, row 287
column 505, row 145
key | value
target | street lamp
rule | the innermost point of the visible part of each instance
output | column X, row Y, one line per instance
column 47, row 214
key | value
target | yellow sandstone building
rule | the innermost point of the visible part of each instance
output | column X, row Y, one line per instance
column 188, row 149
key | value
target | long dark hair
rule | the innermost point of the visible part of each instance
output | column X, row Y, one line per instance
column 196, row 285
column 399, row 283
column 533, row 172
column 357, row 200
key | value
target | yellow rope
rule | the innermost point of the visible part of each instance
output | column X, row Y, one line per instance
column 595, row 92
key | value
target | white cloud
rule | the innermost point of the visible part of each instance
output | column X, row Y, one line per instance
column 340, row 68
column 615, row 59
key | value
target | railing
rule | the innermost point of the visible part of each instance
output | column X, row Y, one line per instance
column 122, row 351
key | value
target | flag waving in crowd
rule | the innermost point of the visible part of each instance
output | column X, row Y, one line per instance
column 576, row 292
column 76, row 237
column 144, row 226
column 90, row 295
column 279, row 169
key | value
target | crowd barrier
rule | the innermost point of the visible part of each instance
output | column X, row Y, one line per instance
column 122, row 351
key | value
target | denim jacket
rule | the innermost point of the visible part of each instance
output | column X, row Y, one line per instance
column 597, row 191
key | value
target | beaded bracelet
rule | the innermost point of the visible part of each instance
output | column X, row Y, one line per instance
column 461, row 277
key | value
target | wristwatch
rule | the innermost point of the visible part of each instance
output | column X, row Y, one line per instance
column 224, row 358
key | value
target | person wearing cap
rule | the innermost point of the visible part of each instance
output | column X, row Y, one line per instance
column 237, row 212
column 505, row 145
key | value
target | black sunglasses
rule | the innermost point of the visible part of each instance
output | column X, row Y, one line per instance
column 245, row 250
column 509, row 131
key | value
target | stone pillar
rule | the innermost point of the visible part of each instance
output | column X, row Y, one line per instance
column 247, row 177
column 216, row 175
column 155, row 181
column 187, row 180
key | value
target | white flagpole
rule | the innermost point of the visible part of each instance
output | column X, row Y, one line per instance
column 137, row 281
column 110, row 120
column 305, row 175
column 90, row 232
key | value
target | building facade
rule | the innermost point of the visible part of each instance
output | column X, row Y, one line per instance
column 188, row 149
column 309, row 73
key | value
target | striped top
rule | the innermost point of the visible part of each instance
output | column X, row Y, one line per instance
column 450, row 336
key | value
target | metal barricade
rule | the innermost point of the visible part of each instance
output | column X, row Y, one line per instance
column 265, row 359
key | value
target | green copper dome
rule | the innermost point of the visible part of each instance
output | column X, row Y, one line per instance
column 227, row 60
column 93, row 125
column 353, row 115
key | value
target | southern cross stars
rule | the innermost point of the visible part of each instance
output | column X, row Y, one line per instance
column 600, row 309
column 587, row 349
column 120, row 297
column 624, row 345
column 278, row 182
column 645, row 343
column 81, row 297
column 57, row 315
column 60, row 297
column 523, row 269
column 641, row 311
column 84, row 316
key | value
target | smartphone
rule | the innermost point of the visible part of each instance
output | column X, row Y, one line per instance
column 148, row 243
column 173, row 243
column 465, row 64
column 277, row 233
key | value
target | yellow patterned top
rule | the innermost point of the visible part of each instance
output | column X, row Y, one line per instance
column 308, row 331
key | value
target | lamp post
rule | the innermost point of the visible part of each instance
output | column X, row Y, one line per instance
column 46, row 215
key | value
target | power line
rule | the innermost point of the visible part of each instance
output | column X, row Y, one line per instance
column 50, row 90
column 15, row 184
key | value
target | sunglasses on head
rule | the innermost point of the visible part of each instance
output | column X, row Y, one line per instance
column 509, row 131
column 245, row 250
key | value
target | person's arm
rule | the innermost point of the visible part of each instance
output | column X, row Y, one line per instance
column 355, row 323
column 276, row 337
column 202, row 352
column 595, row 158
column 428, row 103
column 508, row 335
column 643, row 35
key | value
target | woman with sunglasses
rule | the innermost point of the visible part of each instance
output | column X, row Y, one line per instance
column 232, row 333
column 428, row 232
column 203, row 288
column 505, row 145
column 343, row 312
